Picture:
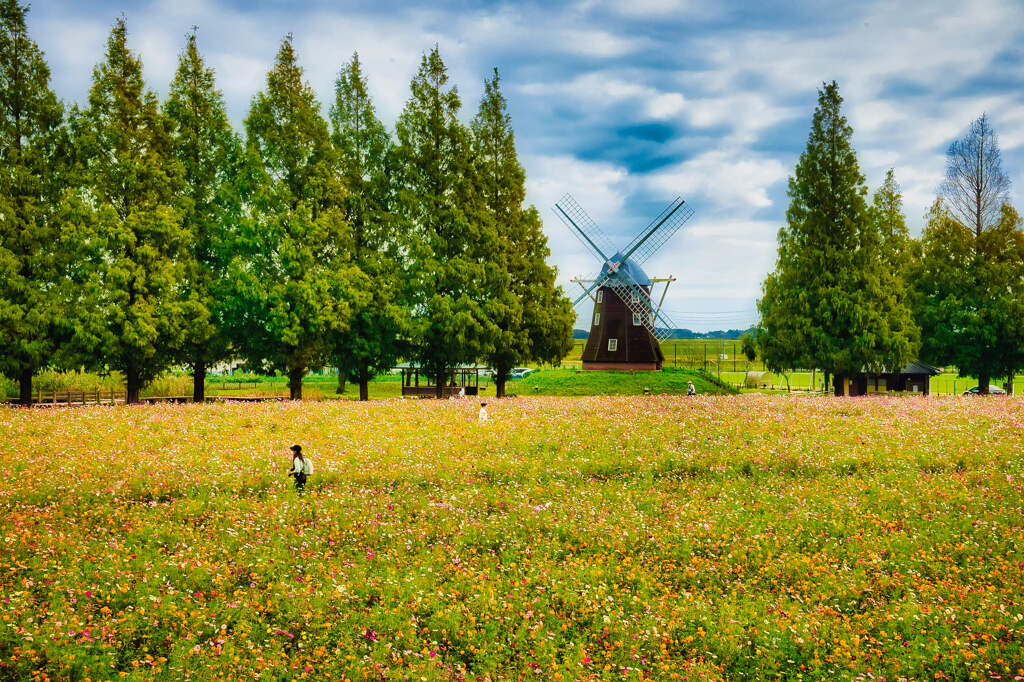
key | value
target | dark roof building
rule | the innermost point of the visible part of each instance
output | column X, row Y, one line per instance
column 914, row 378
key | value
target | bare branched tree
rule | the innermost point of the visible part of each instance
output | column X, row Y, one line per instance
column 975, row 187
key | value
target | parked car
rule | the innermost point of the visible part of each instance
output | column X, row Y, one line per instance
column 992, row 390
column 520, row 372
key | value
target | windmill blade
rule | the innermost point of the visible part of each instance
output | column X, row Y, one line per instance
column 580, row 281
column 639, row 303
column 596, row 282
column 658, row 231
column 585, row 229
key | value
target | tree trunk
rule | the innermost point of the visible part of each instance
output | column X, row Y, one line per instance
column 134, row 382
column 25, row 387
column 983, row 382
column 199, row 381
column 1009, row 384
column 439, row 388
column 824, row 385
column 341, row 382
column 364, row 383
column 295, row 375
column 837, row 381
column 500, row 379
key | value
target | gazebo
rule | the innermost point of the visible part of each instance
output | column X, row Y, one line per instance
column 464, row 379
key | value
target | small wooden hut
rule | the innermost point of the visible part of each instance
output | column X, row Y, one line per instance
column 914, row 378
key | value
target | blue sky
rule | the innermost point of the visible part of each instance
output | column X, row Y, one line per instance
column 628, row 104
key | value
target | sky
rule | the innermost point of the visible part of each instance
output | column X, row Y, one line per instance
column 627, row 105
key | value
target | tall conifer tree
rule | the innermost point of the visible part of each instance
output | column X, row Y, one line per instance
column 209, row 152
column 969, row 297
column 966, row 305
column 32, row 173
column 533, row 318
column 830, row 304
column 447, row 271
column 364, row 153
column 293, row 284
column 130, row 315
column 886, row 211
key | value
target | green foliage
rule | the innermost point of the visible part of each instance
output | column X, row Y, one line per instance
column 127, row 222
column 970, row 294
column 32, row 177
column 447, row 248
column 293, row 285
column 209, row 152
column 832, row 302
column 533, row 318
column 749, row 347
column 897, row 249
column 365, row 165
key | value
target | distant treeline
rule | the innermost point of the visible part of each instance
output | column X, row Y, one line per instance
column 138, row 235
column 727, row 334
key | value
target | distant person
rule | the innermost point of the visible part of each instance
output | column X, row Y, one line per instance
column 690, row 390
column 302, row 467
column 483, row 413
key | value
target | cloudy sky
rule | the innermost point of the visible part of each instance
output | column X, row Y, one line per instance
column 628, row 104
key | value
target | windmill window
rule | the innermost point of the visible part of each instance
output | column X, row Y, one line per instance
column 613, row 344
column 597, row 319
column 600, row 295
column 636, row 320
column 634, row 297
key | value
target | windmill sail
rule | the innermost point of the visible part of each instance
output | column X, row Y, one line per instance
column 638, row 300
column 581, row 225
column 660, row 230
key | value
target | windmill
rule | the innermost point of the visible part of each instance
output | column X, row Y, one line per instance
column 627, row 328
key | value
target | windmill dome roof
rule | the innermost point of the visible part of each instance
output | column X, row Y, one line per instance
column 634, row 270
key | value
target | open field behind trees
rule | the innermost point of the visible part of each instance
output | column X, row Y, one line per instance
column 691, row 354
column 565, row 381
column 549, row 381
column 641, row 537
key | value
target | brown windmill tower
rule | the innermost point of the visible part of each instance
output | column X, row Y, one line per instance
column 626, row 327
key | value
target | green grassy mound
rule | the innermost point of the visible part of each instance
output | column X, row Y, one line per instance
column 580, row 382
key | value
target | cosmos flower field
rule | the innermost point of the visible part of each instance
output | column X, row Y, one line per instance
column 739, row 537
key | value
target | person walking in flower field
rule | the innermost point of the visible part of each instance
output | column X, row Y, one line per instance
column 301, row 467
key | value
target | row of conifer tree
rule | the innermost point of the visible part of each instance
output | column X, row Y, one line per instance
column 852, row 292
column 138, row 235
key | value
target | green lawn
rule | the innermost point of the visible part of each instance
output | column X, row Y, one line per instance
column 565, row 380
column 569, row 382
column 689, row 353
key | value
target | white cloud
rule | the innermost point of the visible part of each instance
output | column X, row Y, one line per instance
column 666, row 105
column 729, row 180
